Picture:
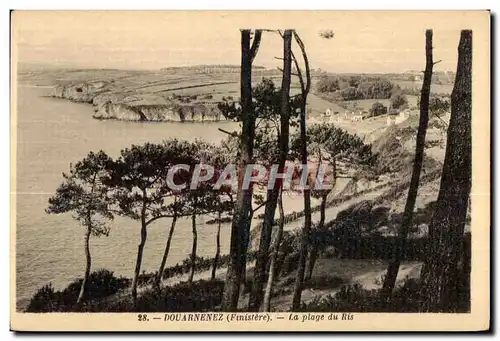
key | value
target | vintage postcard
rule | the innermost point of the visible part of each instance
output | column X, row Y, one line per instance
column 250, row 171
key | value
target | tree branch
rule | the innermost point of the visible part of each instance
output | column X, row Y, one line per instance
column 292, row 73
column 306, row 60
column 299, row 74
column 260, row 206
column 437, row 115
column 233, row 134
column 166, row 216
column 255, row 45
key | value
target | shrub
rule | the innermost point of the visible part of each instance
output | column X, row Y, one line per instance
column 354, row 298
column 324, row 282
column 405, row 298
column 201, row 264
column 183, row 297
column 327, row 84
column 222, row 220
column 348, row 94
column 378, row 109
column 330, row 252
column 281, row 291
column 146, row 278
column 288, row 281
column 399, row 101
column 100, row 284
column 45, row 300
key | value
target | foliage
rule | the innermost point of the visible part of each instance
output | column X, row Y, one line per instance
column 266, row 104
column 45, row 300
column 349, row 94
column 357, row 87
column 139, row 178
column 378, row 109
column 332, row 145
column 324, row 282
column 201, row 264
column 399, row 101
column 354, row 235
column 327, row 84
column 84, row 194
column 439, row 105
column 101, row 284
column 354, row 298
column 198, row 296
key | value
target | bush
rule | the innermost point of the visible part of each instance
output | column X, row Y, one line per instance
column 348, row 94
column 201, row 264
column 378, row 109
column 324, row 282
column 222, row 220
column 354, row 298
column 146, row 278
column 399, row 101
column 288, row 281
column 198, row 296
column 327, row 84
column 45, row 300
column 100, row 284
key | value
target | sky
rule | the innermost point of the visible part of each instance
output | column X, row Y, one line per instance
column 364, row 41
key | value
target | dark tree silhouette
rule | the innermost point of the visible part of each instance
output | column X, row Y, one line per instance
column 241, row 221
column 305, row 86
column 392, row 270
column 266, row 305
column 83, row 193
column 175, row 208
column 261, row 266
column 139, row 179
column 447, row 264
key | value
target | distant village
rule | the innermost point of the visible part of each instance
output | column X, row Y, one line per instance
column 393, row 116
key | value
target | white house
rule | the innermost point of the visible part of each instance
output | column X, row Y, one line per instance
column 403, row 116
column 357, row 118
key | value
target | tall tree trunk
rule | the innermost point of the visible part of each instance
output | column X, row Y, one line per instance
column 165, row 253
column 243, row 259
column 304, row 243
column 266, row 307
column 393, row 268
column 261, row 264
column 441, row 278
column 315, row 247
column 243, row 203
column 217, row 251
column 193, row 249
column 87, row 266
column 140, row 250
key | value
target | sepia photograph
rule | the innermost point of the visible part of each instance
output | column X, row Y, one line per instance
column 250, row 170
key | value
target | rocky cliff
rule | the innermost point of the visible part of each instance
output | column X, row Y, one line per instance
column 109, row 103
